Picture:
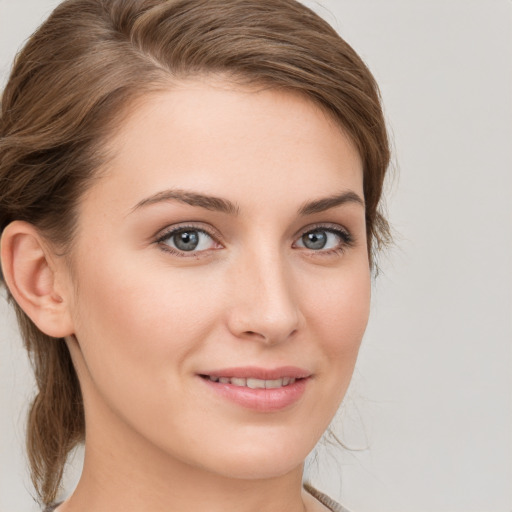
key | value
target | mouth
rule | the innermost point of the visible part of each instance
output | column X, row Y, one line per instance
column 259, row 389
column 253, row 383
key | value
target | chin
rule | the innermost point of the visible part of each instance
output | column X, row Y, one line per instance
column 258, row 468
column 258, row 459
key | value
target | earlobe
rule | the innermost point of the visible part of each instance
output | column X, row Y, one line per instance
column 30, row 273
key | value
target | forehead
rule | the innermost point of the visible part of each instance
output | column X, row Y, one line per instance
column 224, row 139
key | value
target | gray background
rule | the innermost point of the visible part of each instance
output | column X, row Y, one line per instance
column 429, row 412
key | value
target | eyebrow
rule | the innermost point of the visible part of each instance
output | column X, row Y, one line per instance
column 225, row 206
column 326, row 203
column 191, row 198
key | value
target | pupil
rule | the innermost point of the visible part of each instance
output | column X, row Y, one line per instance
column 186, row 240
column 315, row 240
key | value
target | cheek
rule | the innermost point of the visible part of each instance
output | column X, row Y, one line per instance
column 135, row 316
column 342, row 308
column 138, row 331
column 339, row 316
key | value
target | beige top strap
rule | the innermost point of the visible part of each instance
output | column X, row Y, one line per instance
column 324, row 499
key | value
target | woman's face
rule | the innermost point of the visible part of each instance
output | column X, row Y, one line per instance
column 220, row 283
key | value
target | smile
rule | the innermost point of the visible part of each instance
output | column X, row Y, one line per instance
column 253, row 383
column 260, row 389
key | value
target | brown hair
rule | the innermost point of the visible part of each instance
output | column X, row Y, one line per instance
column 67, row 90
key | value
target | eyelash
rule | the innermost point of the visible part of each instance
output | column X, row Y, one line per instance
column 169, row 233
column 346, row 240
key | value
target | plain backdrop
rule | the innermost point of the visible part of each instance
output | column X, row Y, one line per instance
column 429, row 414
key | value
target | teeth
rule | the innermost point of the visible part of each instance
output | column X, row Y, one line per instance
column 272, row 384
column 254, row 383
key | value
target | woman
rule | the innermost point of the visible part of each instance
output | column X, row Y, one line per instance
column 189, row 214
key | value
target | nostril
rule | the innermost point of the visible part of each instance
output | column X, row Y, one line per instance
column 252, row 334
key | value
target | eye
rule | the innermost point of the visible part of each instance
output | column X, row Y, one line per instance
column 324, row 239
column 187, row 240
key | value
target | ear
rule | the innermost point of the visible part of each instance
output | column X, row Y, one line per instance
column 35, row 278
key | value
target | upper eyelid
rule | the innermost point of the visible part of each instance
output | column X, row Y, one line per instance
column 169, row 230
column 327, row 226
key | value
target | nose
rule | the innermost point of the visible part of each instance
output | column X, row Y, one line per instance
column 264, row 305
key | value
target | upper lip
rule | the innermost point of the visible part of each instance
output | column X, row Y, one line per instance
column 255, row 372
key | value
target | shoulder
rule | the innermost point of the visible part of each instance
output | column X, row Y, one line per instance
column 325, row 500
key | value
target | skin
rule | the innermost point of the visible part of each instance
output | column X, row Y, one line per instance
column 143, row 322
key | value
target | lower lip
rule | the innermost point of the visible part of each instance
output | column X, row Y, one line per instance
column 261, row 400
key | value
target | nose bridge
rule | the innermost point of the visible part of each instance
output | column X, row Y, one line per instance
column 266, row 306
